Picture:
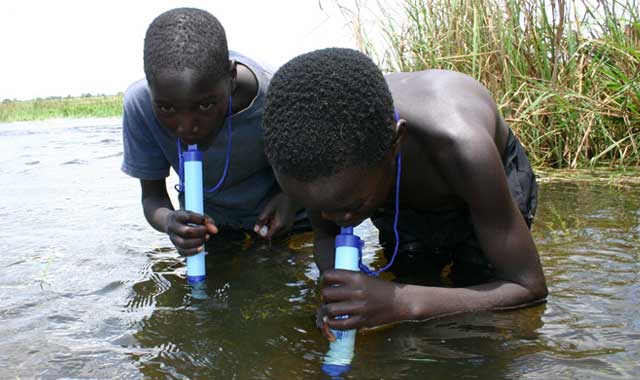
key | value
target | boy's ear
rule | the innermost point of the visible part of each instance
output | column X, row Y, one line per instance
column 400, row 130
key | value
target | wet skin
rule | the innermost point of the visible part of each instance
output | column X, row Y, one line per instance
column 451, row 138
column 193, row 107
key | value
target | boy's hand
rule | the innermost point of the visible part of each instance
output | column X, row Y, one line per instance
column 188, row 231
column 277, row 217
column 367, row 301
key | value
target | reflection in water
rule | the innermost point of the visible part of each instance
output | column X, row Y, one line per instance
column 251, row 322
column 476, row 346
column 199, row 290
column 89, row 290
column 337, row 361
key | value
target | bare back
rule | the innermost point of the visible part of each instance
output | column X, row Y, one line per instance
column 446, row 112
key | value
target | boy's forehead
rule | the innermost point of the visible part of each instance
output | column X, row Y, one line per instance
column 173, row 77
column 183, row 84
column 331, row 192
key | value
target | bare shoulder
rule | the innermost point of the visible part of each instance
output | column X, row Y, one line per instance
column 446, row 108
column 437, row 83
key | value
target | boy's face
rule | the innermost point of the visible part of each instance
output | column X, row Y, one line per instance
column 348, row 197
column 189, row 105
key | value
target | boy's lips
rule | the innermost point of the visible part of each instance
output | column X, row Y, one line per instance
column 190, row 142
column 352, row 222
column 204, row 139
column 193, row 139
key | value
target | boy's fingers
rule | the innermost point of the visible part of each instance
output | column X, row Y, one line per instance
column 195, row 218
column 274, row 228
column 212, row 228
column 262, row 230
column 265, row 214
column 326, row 332
column 344, row 323
column 210, row 224
column 190, row 251
column 189, row 217
column 333, row 277
column 188, row 247
column 334, row 294
column 337, row 309
column 191, row 231
column 187, row 243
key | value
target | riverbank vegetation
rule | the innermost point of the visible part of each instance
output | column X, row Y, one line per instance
column 61, row 107
column 565, row 73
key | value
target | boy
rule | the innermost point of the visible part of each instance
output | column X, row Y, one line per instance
column 465, row 190
column 196, row 92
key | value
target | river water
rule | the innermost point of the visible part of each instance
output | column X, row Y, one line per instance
column 89, row 290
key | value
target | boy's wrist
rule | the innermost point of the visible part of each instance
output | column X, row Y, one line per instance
column 166, row 221
column 410, row 306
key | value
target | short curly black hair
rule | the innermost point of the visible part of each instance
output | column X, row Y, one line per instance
column 327, row 110
column 186, row 38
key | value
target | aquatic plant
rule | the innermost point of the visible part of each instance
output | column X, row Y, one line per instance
column 566, row 74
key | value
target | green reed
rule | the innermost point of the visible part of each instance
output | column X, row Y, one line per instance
column 86, row 106
column 566, row 74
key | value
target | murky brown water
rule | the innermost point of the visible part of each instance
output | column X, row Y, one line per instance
column 89, row 290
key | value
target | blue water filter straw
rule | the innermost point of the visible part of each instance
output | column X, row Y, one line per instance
column 338, row 359
column 193, row 201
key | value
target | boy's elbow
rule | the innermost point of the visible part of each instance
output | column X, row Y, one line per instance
column 542, row 292
column 537, row 295
column 534, row 284
column 538, row 289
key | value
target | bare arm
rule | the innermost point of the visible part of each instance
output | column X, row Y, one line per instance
column 504, row 238
column 471, row 164
column 156, row 203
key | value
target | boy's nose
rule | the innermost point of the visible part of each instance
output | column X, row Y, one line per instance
column 188, row 126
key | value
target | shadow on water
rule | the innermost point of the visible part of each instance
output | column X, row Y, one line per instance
column 89, row 290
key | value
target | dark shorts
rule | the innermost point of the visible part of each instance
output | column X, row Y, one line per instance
column 439, row 238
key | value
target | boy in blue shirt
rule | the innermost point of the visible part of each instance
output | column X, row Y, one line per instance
column 196, row 91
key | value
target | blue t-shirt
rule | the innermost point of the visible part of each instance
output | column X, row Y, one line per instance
column 149, row 152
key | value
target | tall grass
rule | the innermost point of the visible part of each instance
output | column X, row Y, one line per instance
column 566, row 74
column 86, row 106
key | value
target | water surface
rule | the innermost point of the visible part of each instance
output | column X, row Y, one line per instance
column 89, row 290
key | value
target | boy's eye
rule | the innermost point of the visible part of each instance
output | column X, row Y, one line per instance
column 206, row 106
column 167, row 109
